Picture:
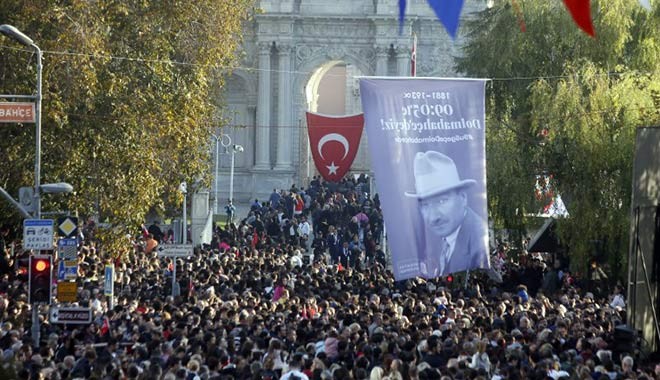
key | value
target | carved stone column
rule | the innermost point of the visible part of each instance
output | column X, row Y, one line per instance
column 403, row 61
column 381, row 60
column 284, row 124
column 262, row 133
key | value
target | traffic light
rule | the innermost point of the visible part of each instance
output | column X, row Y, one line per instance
column 41, row 279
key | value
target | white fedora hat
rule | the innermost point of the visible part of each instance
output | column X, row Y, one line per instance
column 435, row 174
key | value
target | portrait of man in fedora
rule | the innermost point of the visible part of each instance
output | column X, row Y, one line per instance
column 455, row 236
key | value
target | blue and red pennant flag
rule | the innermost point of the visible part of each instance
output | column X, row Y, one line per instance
column 448, row 12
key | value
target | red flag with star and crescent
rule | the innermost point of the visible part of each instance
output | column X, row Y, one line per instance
column 334, row 142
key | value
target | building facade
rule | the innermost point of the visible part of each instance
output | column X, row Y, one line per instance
column 301, row 55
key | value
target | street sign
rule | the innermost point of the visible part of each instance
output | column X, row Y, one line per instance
column 109, row 280
column 67, row 226
column 67, row 249
column 17, row 112
column 67, row 270
column 67, row 291
column 38, row 234
column 71, row 315
column 176, row 250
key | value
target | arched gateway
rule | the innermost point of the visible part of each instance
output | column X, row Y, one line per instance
column 304, row 55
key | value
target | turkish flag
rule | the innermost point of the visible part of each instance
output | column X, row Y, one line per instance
column 334, row 142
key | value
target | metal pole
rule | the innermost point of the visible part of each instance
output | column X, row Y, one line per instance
column 231, row 176
column 21, row 38
column 184, row 237
column 173, row 277
column 37, row 159
column 215, row 182
column 632, row 300
column 648, row 289
column 36, row 329
column 17, row 205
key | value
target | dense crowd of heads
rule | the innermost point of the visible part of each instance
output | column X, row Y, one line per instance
column 268, row 299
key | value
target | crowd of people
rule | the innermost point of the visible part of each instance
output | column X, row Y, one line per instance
column 300, row 289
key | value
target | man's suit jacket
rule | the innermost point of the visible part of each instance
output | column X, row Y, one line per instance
column 470, row 250
column 334, row 245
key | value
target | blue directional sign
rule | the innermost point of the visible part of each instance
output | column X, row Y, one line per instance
column 66, row 271
column 109, row 280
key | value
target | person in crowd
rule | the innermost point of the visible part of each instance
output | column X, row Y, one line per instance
column 295, row 369
column 150, row 244
column 155, row 230
column 274, row 199
column 230, row 210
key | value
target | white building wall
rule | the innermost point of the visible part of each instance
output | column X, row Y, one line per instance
column 303, row 35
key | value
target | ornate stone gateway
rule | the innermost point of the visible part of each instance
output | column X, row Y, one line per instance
column 296, row 50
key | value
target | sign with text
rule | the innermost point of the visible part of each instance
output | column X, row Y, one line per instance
column 17, row 112
column 67, row 270
column 71, row 315
column 427, row 144
column 67, row 249
column 176, row 250
column 38, row 234
column 67, row 292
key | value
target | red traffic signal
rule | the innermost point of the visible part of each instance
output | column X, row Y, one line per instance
column 40, row 279
column 450, row 279
column 41, row 265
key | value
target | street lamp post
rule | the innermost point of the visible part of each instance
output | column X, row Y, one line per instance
column 215, row 175
column 53, row 188
column 219, row 140
column 235, row 149
column 18, row 36
column 183, row 188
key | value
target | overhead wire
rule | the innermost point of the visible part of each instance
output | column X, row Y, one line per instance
column 256, row 69
column 252, row 69
column 297, row 126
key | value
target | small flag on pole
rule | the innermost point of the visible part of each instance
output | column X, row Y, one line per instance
column 413, row 57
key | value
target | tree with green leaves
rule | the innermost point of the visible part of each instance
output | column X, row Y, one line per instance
column 567, row 105
column 127, row 99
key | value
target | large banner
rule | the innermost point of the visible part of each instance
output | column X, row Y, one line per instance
column 427, row 147
column 334, row 141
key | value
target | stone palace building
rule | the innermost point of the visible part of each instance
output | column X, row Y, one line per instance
column 301, row 55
